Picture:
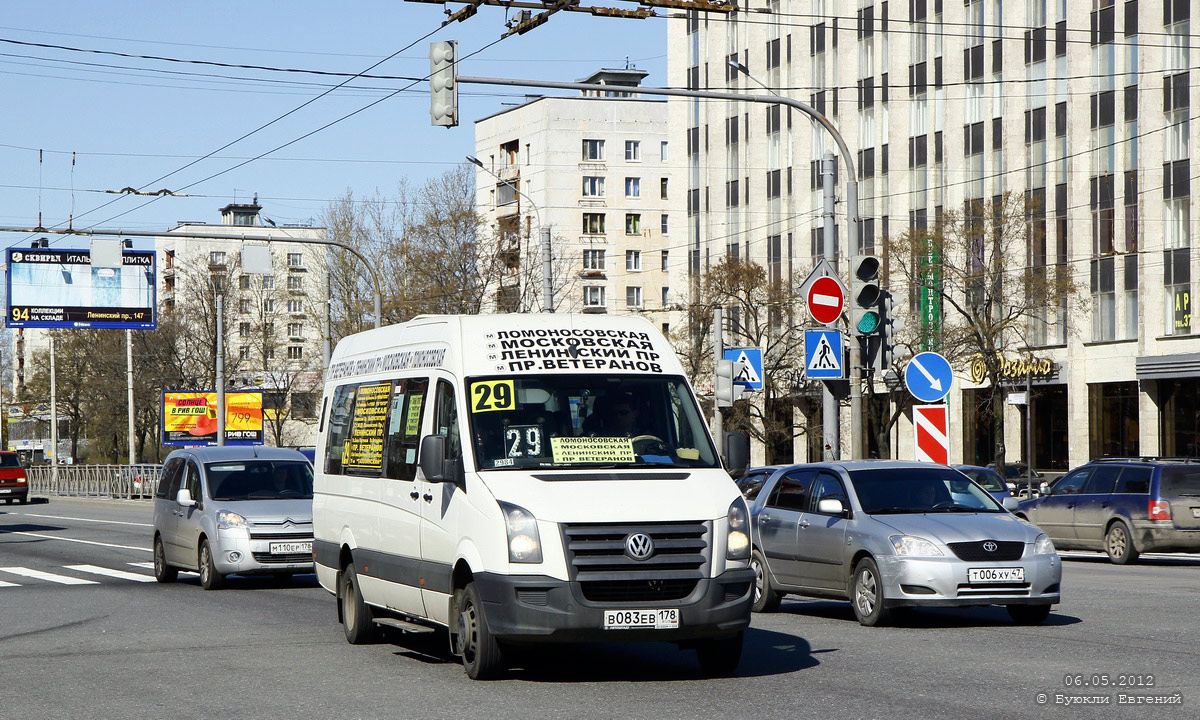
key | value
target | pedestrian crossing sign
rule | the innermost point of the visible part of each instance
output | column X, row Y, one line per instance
column 823, row 355
column 750, row 366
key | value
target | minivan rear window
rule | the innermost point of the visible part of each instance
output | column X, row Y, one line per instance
column 1176, row 481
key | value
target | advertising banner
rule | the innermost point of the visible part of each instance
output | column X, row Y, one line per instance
column 190, row 418
column 50, row 288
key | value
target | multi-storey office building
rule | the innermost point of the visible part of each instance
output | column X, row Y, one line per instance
column 1083, row 107
column 599, row 171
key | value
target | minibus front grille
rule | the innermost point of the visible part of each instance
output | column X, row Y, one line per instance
column 607, row 573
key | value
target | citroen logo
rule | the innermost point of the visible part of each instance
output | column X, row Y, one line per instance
column 639, row 546
column 990, row 546
column 288, row 522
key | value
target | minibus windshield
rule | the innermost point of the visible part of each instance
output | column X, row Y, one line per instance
column 587, row 421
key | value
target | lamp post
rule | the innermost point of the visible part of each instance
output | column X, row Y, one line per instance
column 543, row 230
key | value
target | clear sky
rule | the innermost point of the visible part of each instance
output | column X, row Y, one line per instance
column 130, row 121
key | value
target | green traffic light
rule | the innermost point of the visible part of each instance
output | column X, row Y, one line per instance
column 868, row 323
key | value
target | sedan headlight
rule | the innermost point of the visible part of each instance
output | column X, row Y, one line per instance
column 913, row 546
column 1043, row 546
column 524, row 543
column 737, row 545
column 227, row 520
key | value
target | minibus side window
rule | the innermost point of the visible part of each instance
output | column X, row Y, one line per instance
column 445, row 419
column 339, row 427
column 404, row 427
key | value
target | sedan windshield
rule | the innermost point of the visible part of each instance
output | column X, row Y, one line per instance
column 894, row 491
column 260, row 480
column 587, row 421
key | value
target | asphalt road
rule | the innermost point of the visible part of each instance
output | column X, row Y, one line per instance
column 123, row 646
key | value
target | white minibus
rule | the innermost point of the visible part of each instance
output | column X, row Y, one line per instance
column 520, row 479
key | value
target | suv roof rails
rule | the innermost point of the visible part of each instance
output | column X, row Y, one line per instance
column 1148, row 458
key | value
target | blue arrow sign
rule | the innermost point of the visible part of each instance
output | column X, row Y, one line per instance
column 751, row 374
column 928, row 377
column 823, row 355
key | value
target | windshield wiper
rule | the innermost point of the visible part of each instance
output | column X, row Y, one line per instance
column 894, row 511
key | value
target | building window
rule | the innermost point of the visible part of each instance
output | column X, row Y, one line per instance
column 593, row 296
column 244, row 306
column 666, row 293
column 663, row 261
column 593, row 260
column 633, row 224
column 593, row 186
column 633, row 150
column 270, row 354
column 295, row 260
column 593, row 223
column 593, row 150
column 244, row 282
column 633, row 187
column 268, row 282
column 1178, row 281
column 296, row 330
column 633, row 297
column 216, row 257
column 244, row 352
column 268, row 305
column 295, row 306
column 243, row 329
column 1104, row 301
column 662, row 151
column 663, row 224
column 295, row 352
column 633, row 260
column 662, row 188
column 295, row 282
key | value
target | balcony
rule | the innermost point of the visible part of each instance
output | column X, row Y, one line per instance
column 593, row 203
column 509, row 173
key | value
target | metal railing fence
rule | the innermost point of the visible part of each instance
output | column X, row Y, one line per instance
column 129, row 482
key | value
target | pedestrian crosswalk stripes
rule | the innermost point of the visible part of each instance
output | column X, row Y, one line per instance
column 50, row 577
column 122, row 574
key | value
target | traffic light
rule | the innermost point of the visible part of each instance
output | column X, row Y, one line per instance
column 443, row 83
column 865, row 289
column 887, row 330
column 726, row 390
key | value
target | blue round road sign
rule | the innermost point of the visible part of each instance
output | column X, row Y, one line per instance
column 928, row 377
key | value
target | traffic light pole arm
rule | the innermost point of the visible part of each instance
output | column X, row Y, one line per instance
column 857, row 449
column 268, row 238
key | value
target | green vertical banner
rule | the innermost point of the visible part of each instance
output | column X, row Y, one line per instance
column 931, row 298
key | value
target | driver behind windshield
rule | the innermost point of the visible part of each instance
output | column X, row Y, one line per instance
column 614, row 414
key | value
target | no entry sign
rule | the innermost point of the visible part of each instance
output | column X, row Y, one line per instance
column 932, row 430
column 825, row 300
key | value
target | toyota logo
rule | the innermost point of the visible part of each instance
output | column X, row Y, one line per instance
column 639, row 546
column 990, row 546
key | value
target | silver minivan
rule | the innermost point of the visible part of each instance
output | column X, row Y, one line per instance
column 890, row 534
column 233, row 510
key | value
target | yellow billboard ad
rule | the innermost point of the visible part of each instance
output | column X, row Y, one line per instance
column 190, row 418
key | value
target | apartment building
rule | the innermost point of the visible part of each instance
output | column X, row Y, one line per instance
column 598, row 170
column 1084, row 108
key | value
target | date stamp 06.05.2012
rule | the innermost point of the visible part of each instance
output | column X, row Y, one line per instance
column 1109, row 689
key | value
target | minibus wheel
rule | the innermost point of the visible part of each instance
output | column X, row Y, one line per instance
column 358, row 620
column 474, row 643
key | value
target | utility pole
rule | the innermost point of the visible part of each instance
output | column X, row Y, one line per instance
column 831, row 421
column 129, row 392
column 718, row 356
column 220, row 370
column 53, row 421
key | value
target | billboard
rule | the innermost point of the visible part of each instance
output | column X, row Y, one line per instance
column 190, row 418
column 50, row 288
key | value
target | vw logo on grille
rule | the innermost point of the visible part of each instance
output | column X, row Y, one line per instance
column 639, row 546
column 990, row 546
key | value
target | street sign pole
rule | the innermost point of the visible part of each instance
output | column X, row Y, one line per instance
column 831, row 422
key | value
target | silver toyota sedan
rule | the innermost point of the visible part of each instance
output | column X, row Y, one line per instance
column 887, row 534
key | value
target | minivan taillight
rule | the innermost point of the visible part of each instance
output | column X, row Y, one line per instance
column 1160, row 510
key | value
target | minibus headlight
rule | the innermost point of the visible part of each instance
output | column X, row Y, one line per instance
column 524, row 544
column 227, row 520
column 737, row 545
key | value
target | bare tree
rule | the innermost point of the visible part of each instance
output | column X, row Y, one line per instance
column 980, row 284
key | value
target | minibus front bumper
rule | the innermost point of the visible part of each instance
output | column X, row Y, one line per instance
column 537, row 608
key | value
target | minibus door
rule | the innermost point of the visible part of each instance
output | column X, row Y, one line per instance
column 400, row 498
column 440, row 510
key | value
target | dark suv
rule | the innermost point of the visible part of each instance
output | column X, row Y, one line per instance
column 1123, row 506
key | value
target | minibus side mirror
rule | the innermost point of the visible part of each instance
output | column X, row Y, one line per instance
column 435, row 465
column 736, row 451
column 184, row 498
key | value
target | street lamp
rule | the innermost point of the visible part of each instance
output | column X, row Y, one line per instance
column 544, row 230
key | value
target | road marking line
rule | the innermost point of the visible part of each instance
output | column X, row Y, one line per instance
column 8, row 584
column 109, row 522
column 148, row 565
column 97, row 570
column 39, row 575
column 85, row 542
